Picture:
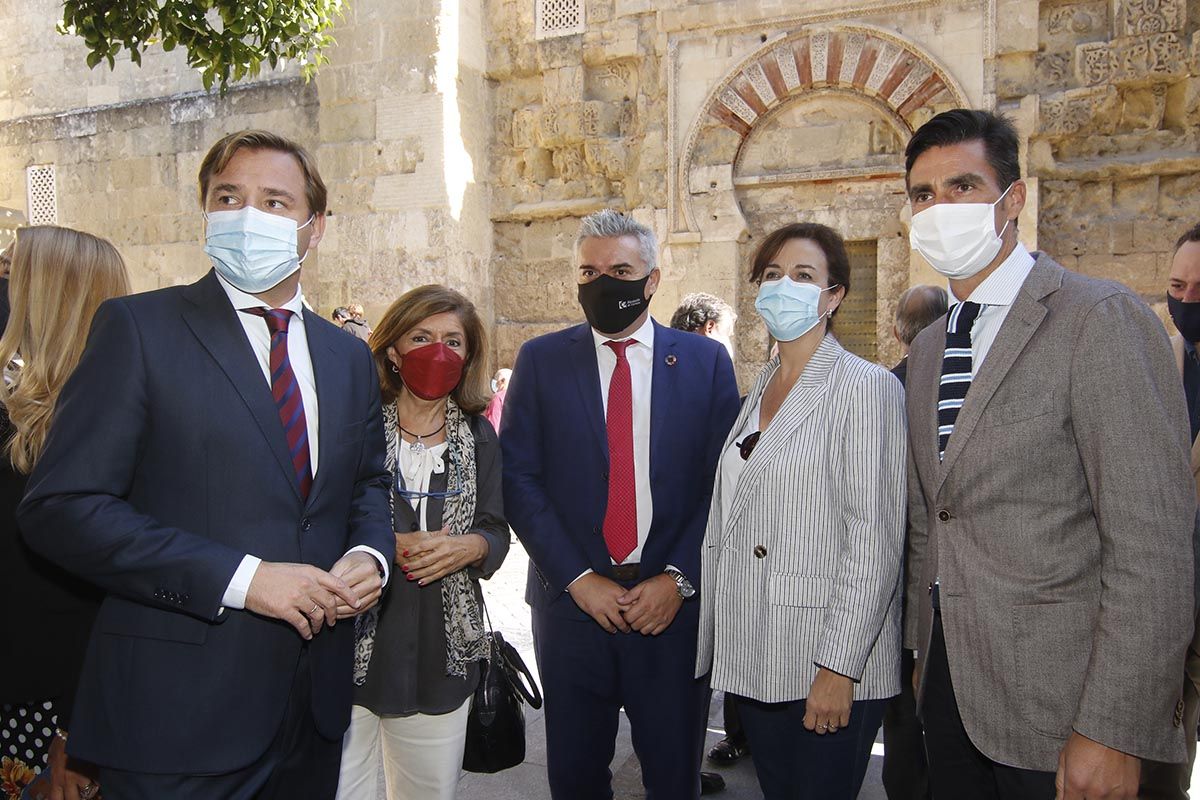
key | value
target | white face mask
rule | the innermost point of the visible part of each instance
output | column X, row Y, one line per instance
column 958, row 239
column 252, row 249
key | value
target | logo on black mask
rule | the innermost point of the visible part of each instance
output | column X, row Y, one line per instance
column 610, row 304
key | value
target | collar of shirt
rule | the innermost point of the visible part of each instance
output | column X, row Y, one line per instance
column 1001, row 287
column 242, row 300
column 644, row 335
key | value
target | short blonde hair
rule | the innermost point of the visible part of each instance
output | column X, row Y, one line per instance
column 59, row 278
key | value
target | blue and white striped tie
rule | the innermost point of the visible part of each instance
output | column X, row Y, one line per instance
column 956, row 369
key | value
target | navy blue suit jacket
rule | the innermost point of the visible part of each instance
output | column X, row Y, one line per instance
column 555, row 449
column 166, row 464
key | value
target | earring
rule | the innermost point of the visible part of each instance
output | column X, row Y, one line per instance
column 395, row 369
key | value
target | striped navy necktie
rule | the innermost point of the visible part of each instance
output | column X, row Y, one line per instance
column 956, row 369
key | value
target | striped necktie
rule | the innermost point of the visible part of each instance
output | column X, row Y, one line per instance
column 285, row 389
column 956, row 369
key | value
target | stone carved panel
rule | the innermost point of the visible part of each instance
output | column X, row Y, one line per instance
column 818, row 50
column 851, row 53
column 786, row 59
column 883, row 66
column 1067, row 113
column 733, row 101
column 762, row 86
column 915, row 79
column 1075, row 20
column 1093, row 63
column 1163, row 55
column 569, row 164
column 1141, row 17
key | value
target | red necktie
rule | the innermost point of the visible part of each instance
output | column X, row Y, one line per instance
column 286, row 391
column 620, row 517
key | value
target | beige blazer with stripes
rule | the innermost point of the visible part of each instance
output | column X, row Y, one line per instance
column 805, row 570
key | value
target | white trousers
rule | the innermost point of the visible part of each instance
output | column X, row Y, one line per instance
column 421, row 755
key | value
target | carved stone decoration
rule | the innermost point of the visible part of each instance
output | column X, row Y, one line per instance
column 786, row 59
column 1137, row 57
column 851, row 53
column 762, row 87
column 1074, row 20
column 1093, row 63
column 569, row 164
column 734, row 102
column 1067, row 113
column 819, row 55
column 1141, row 17
column 883, row 66
column 919, row 74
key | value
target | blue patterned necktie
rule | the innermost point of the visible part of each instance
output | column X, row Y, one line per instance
column 956, row 369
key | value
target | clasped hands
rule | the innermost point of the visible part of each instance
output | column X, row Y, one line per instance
column 309, row 598
column 648, row 608
column 427, row 556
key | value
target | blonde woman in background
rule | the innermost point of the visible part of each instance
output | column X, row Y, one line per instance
column 57, row 280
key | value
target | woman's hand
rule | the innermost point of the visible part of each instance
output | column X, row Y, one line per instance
column 828, row 705
column 427, row 556
column 65, row 779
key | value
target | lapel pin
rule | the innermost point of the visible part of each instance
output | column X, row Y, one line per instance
column 672, row 361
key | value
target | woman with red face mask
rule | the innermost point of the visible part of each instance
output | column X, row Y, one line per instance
column 417, row 657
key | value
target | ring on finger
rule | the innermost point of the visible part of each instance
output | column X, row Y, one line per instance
column 314, row 609
column 88, row 790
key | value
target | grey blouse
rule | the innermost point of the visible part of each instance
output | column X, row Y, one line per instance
column 407, row 672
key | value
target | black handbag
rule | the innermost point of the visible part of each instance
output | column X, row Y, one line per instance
column 496, row 724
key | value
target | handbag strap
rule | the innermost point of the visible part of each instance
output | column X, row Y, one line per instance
column 511, row 663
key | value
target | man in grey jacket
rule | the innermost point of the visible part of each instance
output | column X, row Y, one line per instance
column 1050, row 499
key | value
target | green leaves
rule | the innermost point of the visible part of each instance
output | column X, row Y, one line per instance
column 226, row 40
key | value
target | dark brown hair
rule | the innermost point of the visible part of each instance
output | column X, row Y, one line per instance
column 219, row 155
column 826, row 238
column 408, row 312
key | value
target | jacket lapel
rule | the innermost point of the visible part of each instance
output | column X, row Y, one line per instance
column 1023, row 320
column 662, row 385
column 797, row 407
column 213, row 320
column 331, row 405
column 920, row 389
column 587, row 379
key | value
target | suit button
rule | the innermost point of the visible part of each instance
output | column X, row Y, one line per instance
column 415, row 527
column 945, row 516
column 760, row 551
column 305, row 524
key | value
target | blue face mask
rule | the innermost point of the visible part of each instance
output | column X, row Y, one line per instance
column 789, row 308
column 252, row 249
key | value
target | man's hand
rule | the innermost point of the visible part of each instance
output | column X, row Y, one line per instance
column 651, row 606
column 828, row 705
column 65, row 778
column 429, row 556
column 597, row 597
column 1087, row 770
column 301, row 595
column 360, row 571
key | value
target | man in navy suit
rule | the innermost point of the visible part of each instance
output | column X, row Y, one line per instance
column 611, row 436
column 217, row 465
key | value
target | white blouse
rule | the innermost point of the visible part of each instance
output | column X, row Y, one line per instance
column 417, row 465
column 732, row 463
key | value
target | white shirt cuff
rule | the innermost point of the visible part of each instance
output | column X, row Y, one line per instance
column 585, row 572
column 239, row 584
column 375, row 554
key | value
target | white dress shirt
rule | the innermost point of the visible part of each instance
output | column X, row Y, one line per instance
column 641, row 369
column 732, row 463
column 996, row 293
column 301, row 361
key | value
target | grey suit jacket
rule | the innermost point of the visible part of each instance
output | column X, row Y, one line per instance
column 1055, row 525
column 1177, row 349
column 822, row 495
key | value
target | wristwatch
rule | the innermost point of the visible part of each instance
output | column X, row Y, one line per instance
column 684, row 586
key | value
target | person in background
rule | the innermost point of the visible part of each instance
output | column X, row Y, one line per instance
column 5, row 267
column 1050, row 499
column 707, row 315
column 916, row 310
column 59, row 278
column 610, row 440
column 1160, row 780
column 905, row 771
column 800, row 613
column 710, row 316
column 417, row 661
column 495, row 407
column 352, row 322
column 233, row 508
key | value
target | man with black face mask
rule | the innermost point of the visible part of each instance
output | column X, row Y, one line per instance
column 610, row 437
column 1159, row 780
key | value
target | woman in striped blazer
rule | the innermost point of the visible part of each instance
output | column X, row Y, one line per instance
column 800, row 600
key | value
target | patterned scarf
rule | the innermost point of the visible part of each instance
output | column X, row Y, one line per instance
column 466, row 636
